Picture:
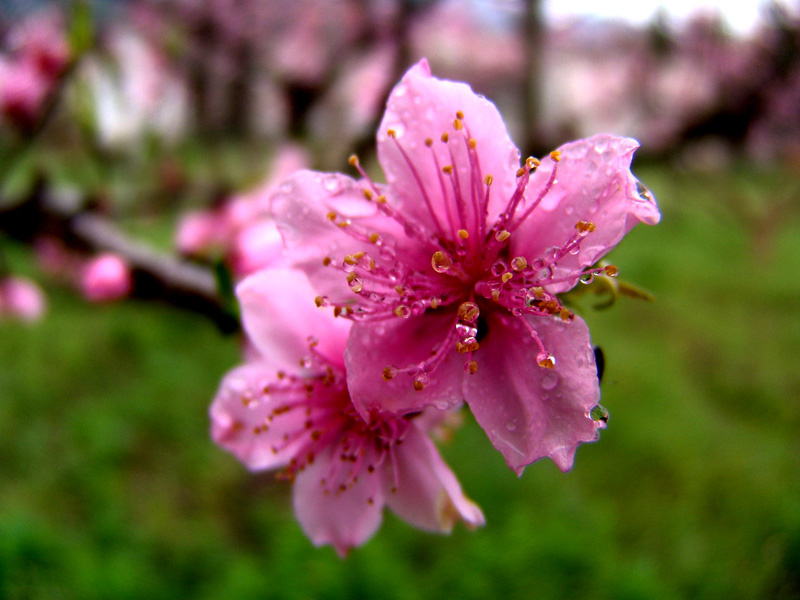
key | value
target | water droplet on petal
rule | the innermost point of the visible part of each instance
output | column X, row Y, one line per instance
column 286, row 187
column 599, row 413
column 332, row 184
column 511, row 425
column 569, row 209
column 549, row 381
column 644, row 193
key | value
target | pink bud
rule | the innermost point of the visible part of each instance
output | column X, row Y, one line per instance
column 106, row 277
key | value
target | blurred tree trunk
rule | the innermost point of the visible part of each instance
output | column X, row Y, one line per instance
column 533, row 36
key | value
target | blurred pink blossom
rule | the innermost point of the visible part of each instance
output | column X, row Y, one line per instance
column 451, row 270
column 105, row 278
column 291, row 410
column 21, row 298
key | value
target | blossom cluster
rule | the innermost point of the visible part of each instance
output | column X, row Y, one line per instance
column 394, row 304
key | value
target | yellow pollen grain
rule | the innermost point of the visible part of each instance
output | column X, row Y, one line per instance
column 555, row 155
column 369, row 194
column 506, row 277
column 463, row 234
column 473, row 143
column 457, row 125
column 448, row 169
column 429, row 142
column 445, row 137
column 391, row 133
column 459, row 114
column 374, row 238
column 488, row 180
column 353, row 160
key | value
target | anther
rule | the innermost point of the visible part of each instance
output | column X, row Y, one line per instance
column 447, row 169
column 402, row 311
column 391, row 133
column 471, row 367
column 418, row 385
column 390, row 372
column 326, row 261
column 440, row 262
column 520, row 172
column 473, row 143
column 353, row 160
column 468, row 311
column 506, row 277
column 488, row 180
column 567, row 315
column 459, row 114
column 381, row 199
column 445, row 137
column 428, row 142
column 555, row 155
column 463, row 234
column 331, row 216
column 532, row 162
column 457, row 125
column 319, row 300
column 374, row 238
column 585, row 226
column 368, row 194
column 546, row 360
column 502, row 235
column 518, row 263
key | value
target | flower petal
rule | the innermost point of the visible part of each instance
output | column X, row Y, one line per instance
column 595, row 184
column 528, row 411
column 302, row 208
column 422, row 490
column 279, row 315
column 422, row 108
column 401, row 343
column 344, row 519
column 238, row 415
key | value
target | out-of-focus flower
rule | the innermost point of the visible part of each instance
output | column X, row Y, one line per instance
column 22, row 299
column 138, row 95
column 39, row 53
column 240, row 229
column 450, row 271
column 105, row 278
column 291, row 410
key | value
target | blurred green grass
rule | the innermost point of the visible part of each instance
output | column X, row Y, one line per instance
column 111, row 487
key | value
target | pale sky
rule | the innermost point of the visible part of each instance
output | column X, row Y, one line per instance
column 741, row 15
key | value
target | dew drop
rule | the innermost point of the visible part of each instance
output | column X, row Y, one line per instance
column 286, row 187
column 400, row 90
column 599, row 413
column 570, row 209
column 549, row 381
column 587, row 278
column 332, row 184
column 511, row 425
column 644, row 193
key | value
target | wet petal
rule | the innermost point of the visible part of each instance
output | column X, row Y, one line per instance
column 527, row 411
column 426, row 492
column 279, row 315
column 402, row 343
column 302, row 207
column 594, row 184
column 422, row 108
column 239, row 419
column 344, row 519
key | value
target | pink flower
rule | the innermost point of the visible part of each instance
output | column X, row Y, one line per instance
column 290, row 410
column 450, row 271
column 23, row 90
column 106, row 277
column 22, row 299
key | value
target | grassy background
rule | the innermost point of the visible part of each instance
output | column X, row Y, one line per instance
column 111, row 488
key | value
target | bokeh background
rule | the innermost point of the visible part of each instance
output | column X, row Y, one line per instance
column 133, row 127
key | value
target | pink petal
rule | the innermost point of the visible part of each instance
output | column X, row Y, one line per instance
column 528, row 411
column 400, row 343
column 594, row 183
column 301, row 208
column 422, row 107
column 427, row 493
column 344, row 519
column 238, row 415
column 257, row 247
column 279, row 315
